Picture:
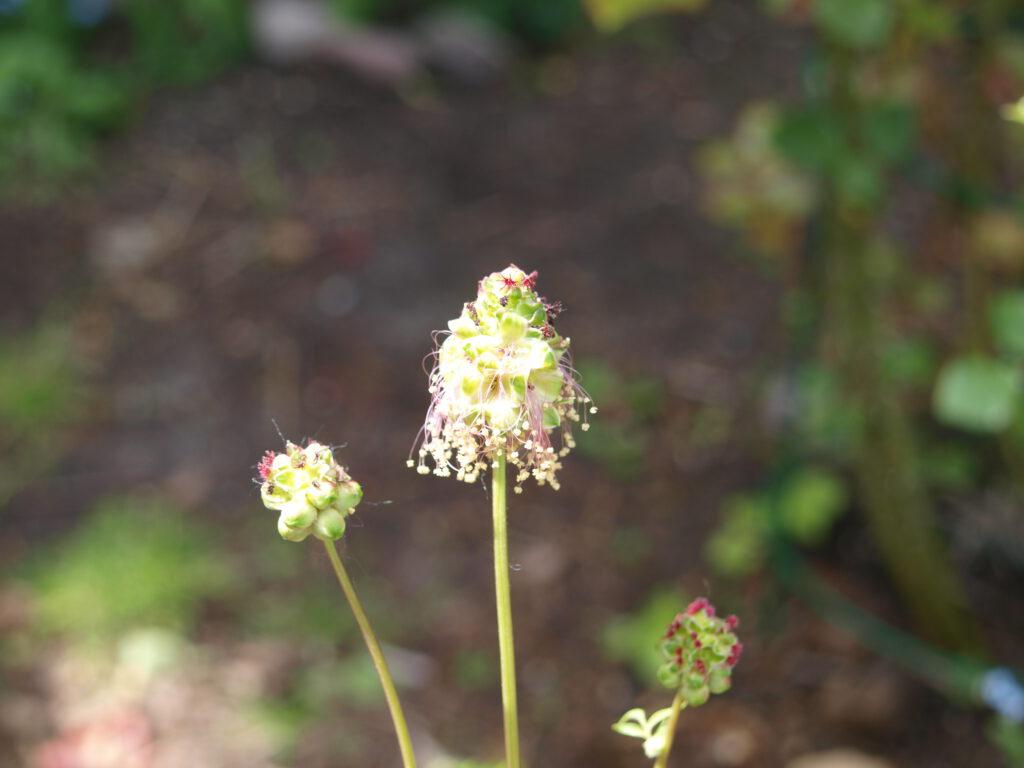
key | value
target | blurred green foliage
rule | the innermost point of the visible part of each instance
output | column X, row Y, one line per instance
column 64, row 83
column 1009, row 737
column 39, row 383
column 619, row 440
column 804, row 509
column 896, row 330
column 71, row 71
column 51, row 109
column 611, row 15
column 978, row 394
column 134, row 562
column 42, row 394
column 631, row 639
column 475, row 670
column 213, row 32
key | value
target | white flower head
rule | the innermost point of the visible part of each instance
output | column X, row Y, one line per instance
column 502, row 386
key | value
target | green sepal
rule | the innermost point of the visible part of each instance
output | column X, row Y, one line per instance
column 329, row 525
column 513, row 327
column 291, row 534
column 323, row 496
column 696, row 696
column 350, row 494
column 551, row 418
column 298, row 513
column 720, row 680
column 668, row 675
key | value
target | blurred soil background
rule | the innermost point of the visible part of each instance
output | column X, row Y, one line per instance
column 271, row 249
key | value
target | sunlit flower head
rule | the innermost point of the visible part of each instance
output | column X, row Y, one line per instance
column 502, row 386
column 313, row 493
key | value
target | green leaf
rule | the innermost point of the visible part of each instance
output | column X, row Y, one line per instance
column 810, row 138
column 1006, row 318
column 908, row 361
column 633, row 723
column 855, row 23
column 629, row 638
column 811, row 502
column 978, row 394
column 888, row 131
column 736, row 548
column 858, row 180
column 612, row 15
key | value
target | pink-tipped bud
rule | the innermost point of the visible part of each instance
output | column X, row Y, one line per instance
column 699, row 652
column 697, row 605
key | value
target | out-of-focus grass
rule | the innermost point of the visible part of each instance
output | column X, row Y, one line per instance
column 135, row 562
column 41, row 393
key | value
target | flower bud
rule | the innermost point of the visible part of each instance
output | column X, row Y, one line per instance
column 310, row 489
column 298, row 513
column 699, row 651
column 330, row 525
column 501, row 385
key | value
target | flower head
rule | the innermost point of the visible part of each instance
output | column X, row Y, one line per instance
column 501, row 385
column 313, row 493
column 700, row 651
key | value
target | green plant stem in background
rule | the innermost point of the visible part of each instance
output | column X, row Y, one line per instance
column 670, row 729
column 401, row 729
column 895, row 503
column 503, row 600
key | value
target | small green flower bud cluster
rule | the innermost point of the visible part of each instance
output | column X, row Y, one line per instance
column 700, row 651
column 501, row 385
column 313, row 493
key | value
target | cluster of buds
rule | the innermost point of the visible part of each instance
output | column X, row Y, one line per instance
column 313, row 493
column 500, row 386
column 700, row 650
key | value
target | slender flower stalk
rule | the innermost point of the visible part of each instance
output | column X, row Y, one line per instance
column 501, row 387
column 670, row 730
column 397, row 716
column 314, row 494
column 503, row 600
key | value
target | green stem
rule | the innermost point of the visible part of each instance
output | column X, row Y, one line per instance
column 401, row 729
column 503, row 600
column 670, row 734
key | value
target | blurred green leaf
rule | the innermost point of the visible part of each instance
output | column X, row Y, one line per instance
column 929, row 20
column 621, row 450
column 811, row 138
column 736, row 548
column 475, row 670
column 888, row 131
column 611, row 15
column 950, row 466
column 827, row 420
column 1009, row 737
column 633, row 638
column 51, row 108
column 978, row 394
column 38, row 381
column 855, row 23
column 213, row 32
column 909, row 362
column 600, row 380
column 1006, row 318
column 858, row 180
column 811, row 502
column 646, row 397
